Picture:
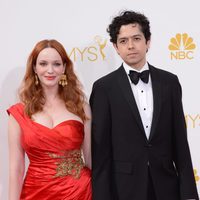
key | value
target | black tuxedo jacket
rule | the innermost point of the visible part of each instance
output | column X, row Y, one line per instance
column 121, row 153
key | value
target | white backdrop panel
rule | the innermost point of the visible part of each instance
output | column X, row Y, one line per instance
column 81, row 27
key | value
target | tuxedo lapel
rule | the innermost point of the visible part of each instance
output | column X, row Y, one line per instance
column 128, row 94
column 156, row 87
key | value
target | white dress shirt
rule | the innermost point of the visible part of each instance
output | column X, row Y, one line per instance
column 144, row 98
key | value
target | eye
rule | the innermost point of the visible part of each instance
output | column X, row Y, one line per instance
column 137, row 38
column 57, row 64
column 122, row 41
column 42, row 63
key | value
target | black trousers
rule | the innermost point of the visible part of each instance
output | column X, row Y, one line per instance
column 151, row 191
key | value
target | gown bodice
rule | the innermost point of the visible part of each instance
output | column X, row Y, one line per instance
column 56, row 170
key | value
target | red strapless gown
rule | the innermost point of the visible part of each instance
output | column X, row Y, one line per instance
column 56, row 170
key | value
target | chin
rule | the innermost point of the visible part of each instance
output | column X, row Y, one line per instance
column 50, row 85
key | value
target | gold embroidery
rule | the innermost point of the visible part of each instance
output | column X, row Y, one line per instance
column 70, row 163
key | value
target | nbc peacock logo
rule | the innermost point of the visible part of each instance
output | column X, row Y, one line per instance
column 182, row 47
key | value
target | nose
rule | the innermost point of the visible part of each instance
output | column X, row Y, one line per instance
column 130, row 44
column 50, row 69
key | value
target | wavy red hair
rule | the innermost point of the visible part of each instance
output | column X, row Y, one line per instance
column 32, row 95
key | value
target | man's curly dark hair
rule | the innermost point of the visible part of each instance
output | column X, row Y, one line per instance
column 128, row 17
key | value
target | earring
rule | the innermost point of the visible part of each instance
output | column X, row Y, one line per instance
column 63, row 80
column 36, row 80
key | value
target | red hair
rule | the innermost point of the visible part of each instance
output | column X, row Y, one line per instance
column 32, row 95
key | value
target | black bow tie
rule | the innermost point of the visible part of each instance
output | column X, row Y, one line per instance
column 135, row 76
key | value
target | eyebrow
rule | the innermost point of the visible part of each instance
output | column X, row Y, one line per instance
column 133, row 36
column 57, row 60
column 52, row 60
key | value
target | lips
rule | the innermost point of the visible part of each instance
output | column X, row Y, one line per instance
column 132, row 54
column 50, row 77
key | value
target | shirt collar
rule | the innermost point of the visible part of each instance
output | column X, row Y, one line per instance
column 128, row 68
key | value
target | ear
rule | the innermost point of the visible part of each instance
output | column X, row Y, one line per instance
column 64, row 68
column 116, row 48
column 34, row 69
column 148, row 43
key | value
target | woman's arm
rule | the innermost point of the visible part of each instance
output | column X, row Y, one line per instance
column 16, row 159
column 87, row 137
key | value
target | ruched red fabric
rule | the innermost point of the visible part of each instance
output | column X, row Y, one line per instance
column 56, row 170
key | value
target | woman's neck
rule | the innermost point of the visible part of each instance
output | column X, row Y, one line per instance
column 51, row 95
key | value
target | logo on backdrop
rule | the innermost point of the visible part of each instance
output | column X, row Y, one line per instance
column 181, row 47
column 196, row 175
column 192, row 120
column 92, row 53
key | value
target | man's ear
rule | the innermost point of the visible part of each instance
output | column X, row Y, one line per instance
column 148, row 43
column 116, row 48
column 115, row 45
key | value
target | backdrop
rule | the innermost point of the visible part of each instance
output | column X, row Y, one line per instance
column 81, row 27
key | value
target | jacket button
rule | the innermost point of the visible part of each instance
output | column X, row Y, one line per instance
column 148, row 145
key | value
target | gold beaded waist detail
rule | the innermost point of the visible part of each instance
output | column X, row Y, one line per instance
column 68, row 162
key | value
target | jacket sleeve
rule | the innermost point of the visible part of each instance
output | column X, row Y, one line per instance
column 101, row 144
column 183, row 160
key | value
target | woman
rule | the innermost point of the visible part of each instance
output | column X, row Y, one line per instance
column 52, row 125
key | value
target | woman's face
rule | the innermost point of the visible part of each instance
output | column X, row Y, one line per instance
column 49, row 67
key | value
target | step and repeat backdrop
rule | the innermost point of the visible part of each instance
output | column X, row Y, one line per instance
column 81, row 27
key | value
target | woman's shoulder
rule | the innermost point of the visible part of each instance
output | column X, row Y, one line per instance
column 18, row 107
column 16, row 111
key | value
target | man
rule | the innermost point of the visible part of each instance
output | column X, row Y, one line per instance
column 139, row 143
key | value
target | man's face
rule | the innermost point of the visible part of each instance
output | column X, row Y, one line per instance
column 132, row 46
